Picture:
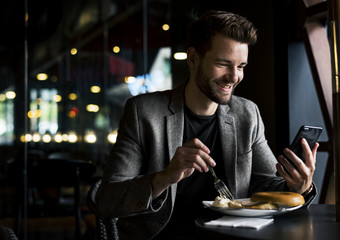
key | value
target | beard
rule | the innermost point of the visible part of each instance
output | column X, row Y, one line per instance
column 207, row 87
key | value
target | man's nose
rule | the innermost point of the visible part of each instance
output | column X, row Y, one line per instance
column 232, row 76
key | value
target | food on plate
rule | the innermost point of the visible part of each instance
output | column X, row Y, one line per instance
column 225, row 202
column 262, row 200
column 282, row 198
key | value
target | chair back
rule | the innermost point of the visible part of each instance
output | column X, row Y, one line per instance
column 7, row 234
column 106, row 228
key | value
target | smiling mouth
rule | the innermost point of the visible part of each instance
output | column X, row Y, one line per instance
column 225, row 86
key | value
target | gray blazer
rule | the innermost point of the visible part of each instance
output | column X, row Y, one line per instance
column 150, row 132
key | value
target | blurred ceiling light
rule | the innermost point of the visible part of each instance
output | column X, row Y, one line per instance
column 180, row 55
column 57, row 98
column 72, row 114
column 34, row 114
column 74, row 51
column 116, row 49
column 42, row 76
column 112, row 137
column 58, row 138
column 10, row 95
column 36, row 137
column 129, row 79
column 64, row 137
column 92, row 108
column 2, row 97
column 38, row 113
column 95, row 89
column 28, row 137
column 72, row 96
column 72, row 137
column 31, row 114
column 46, row 138
column 91, row 137
column 166, row 27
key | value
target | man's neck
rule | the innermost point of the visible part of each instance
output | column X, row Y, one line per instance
column 197, row 101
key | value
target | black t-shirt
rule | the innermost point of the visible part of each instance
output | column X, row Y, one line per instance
column 199, row 186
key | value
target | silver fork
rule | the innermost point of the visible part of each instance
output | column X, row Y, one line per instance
column 221, row 188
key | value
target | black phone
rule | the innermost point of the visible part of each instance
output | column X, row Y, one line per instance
column 310, row 133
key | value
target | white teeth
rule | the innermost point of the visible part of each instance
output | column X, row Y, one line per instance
column 224, row 86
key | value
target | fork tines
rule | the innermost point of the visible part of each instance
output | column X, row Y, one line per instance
column 226, row 194
column 224, row 191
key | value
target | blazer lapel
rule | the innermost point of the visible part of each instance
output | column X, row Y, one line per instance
column 229, row 148
column 175, row 121
column 175, row 127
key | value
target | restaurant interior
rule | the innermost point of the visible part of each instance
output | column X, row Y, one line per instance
column 68, row 67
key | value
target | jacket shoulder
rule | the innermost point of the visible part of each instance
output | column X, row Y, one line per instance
column 239, row 103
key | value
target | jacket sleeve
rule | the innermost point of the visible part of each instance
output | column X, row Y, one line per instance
column 126, row 188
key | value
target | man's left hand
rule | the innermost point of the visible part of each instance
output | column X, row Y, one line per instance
column 299, row 179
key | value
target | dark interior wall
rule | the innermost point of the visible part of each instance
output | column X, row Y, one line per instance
column 304, row 107
column 259, row 81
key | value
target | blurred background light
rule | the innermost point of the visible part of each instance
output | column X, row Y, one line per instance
column 46, row 138
column 36, row 137
column 90, row 137
column 42, row 76
column 165, row 27
column 92, row 108
column 112, row 137
column 10, row 95
column 116, row 49
column 95, row 89
column 180, row 55
column 74, row 51
column 72, row 96
column 58, row 138
column 57, row 98
column 72, row 137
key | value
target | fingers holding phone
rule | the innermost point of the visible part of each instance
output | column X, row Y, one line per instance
column 292, row 162
column 303, row 146
column 309, row 152
column 297, row 164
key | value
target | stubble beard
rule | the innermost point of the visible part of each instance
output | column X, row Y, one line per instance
column 206, row 86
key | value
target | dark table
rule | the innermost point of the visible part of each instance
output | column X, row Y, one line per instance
column 313, row 223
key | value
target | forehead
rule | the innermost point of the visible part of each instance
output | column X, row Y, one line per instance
column 224, row 47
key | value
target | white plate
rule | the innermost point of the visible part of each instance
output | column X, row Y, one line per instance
column 247, row 212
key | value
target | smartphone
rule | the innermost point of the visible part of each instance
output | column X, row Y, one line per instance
column 310, row 133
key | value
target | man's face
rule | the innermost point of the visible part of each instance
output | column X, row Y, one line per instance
column 221, row 69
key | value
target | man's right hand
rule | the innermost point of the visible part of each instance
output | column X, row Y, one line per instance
column 193, row 155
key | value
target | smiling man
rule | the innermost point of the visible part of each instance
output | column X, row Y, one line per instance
column 156, row 176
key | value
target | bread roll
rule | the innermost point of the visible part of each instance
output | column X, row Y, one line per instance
column 283, row 198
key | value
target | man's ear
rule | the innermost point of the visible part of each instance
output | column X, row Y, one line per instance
column 192, row 57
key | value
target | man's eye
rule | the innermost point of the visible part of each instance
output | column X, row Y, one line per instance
column 221, row 64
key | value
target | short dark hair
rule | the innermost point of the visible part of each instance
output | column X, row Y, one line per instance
column 212, row 22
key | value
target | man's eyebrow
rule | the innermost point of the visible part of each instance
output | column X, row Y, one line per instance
column 228, row 61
